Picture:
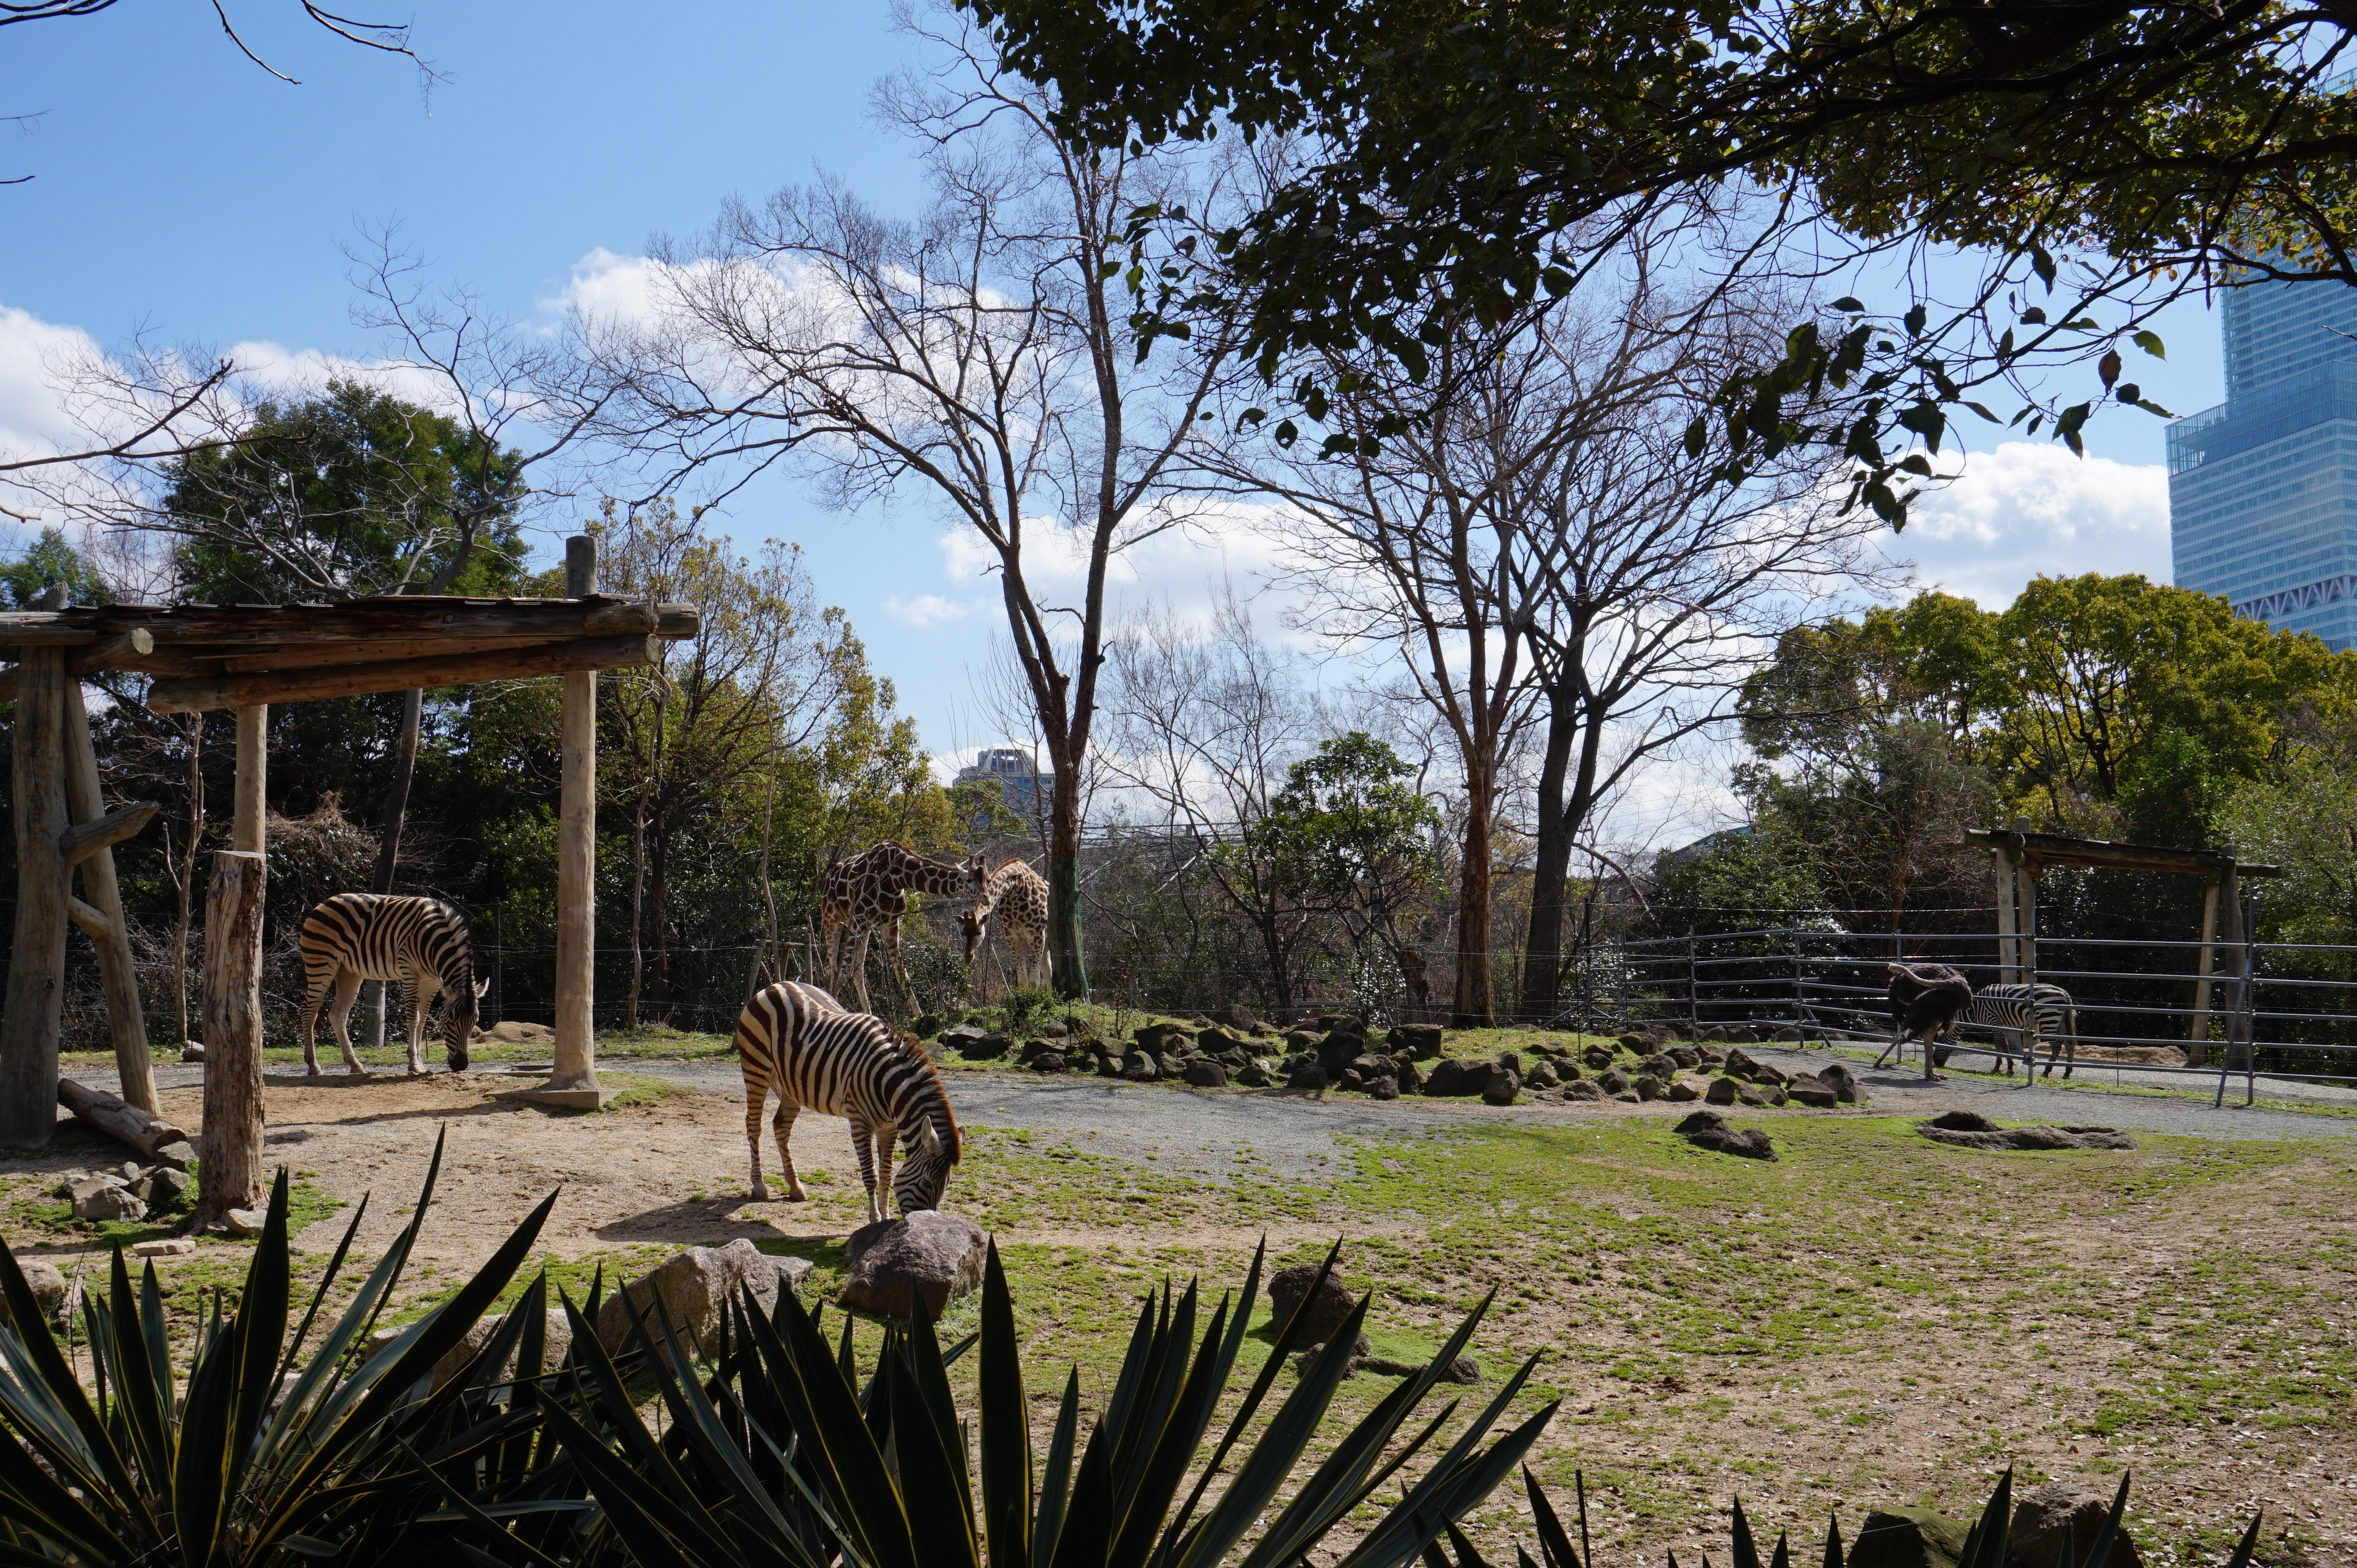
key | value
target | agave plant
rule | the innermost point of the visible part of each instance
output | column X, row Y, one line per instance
column 783, row 1457
column 252, row 1456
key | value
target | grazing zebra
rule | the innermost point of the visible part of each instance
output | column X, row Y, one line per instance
column 1926, row 1000
column 421, row 943
column 2021, row 1016
column 796, row 1040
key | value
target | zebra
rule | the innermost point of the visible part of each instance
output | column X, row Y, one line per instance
column 1925, row 999
column 2020, row 1016
column 797, row 1040
column 421, row 943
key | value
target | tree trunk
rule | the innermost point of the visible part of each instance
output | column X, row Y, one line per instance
column 30, row 1017
column 1471, row 1008
column 388, row 853
column 229, row 1153
column 1542, row 943
column 1067, row 958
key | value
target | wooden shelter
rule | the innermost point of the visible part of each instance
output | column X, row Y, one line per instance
column 2022, row 857
column 247, row 657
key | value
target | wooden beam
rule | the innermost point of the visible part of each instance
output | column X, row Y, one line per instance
column 88, row 919
column 195, row 694
column 228, row 1150
column 36, row 958
column 115, row 651
column 127, row 1025
column 43, row 628
column 81, row 842
column 266, row 625
column 2058, row 849
column 130, row 1124
column 368, row 650
column 2197, row 1035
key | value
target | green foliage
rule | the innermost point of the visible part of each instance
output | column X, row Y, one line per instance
column 1734, row 881
column 50, row 559
column 1349, row 827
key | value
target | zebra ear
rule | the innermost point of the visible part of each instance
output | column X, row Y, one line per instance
column 927, row 1139
column 481, row 986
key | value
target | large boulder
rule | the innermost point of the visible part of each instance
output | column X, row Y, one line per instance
column 691, row 1287
column 929, row 1254
column 1219, row 1038
column 1447, row 1077
column 961, row 1037
column 1339, row 1049
column 49, row 1287
column 1907, row 1538
column 1205, row 1073
column 1722, row 1091
column 1542, row 1075
column 986, row 1047
column 114, row 1201
column 1409, row 1077
column 1660, row 1064
column 1156, row 1039
column 2040, row 1515
column 1504, row 1086
column 1708, row 1130
column 1583, row 1089
column 1140, row 1068
column 1811, row 1089
column 1323, row 1312
column 560, row 1340
column 1310, row 1075
column 1419, row 1040
column 1844, row 1083
column 1612, row 1081
column 1237, row 1017
column 1049, row 1061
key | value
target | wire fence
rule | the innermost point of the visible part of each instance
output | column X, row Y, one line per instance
column 2218, row 1009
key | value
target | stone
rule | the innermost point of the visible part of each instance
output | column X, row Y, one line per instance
column 1639, row 1044
column 1385, row 1087
column 1055, row 1030
column 1253, row 1075
column 112, row 1202
column 1139, row 1068
column 1205, row 1073
column 1237, row 1017
column 1585, row 1089
column 1598, row 1057
column 179, row 1157
column 1463, row 1369
column 691, row 1287
column 959, row 1038
column 559, row 1341
column 2042, row 1512
column 1739, row 1064
column 287, row 1136
column 1324, row 1311
column 1658, row 1065
column 1409, row 1077
column 244, row 1221
column 1109, row 1065
column 1049, row 1061
column 1504, row 1086
column 926, row 1025
column 1420, row 1040
column 1542, row 1075
column 165, row 1187
column 1708, row 1130
column 1681, row 1091
column 191, row 1052
column 1789, row 1032
column 165, row 1247
column 1301, row 1039
column 1151, row 1036
column 1612, row 1081
column 1339, row 1049
column 1722, row 1091
column 928, row 1256
column 1684, row 1056
column 1648, row 1087
column 1350, row 1078
column 1445, row 1077
column 1310, row 1075
column 1907, row 1538
column 1216, row 1039
column 1511, row 1062
column 1753, row 1094
column 1846, row 1089
column 81, row 1185
column 48, row 1284
column 1169, row 1064
column 1810, row 1089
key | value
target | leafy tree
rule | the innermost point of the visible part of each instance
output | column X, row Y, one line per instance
column 48, row 560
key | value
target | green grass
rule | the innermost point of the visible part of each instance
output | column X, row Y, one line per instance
column 30, row 1212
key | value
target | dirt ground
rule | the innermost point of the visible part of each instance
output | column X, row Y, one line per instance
column 1872, row 1319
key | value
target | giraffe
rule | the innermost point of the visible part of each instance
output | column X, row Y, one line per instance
column 866, row 894
column 1018, row 896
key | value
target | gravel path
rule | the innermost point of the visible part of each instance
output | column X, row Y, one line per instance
column 1297, row 1136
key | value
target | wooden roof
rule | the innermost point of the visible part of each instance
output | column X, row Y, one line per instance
column 210, row 656
column 2041, row 849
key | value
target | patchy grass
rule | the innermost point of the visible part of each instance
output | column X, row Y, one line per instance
column 31, row 1212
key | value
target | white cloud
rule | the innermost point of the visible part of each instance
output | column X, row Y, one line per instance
column 2031, row 508
column 926, row 609
column 33, row 352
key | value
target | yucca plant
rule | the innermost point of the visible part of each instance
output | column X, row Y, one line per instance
column 262, row 1450
column 782, row 1458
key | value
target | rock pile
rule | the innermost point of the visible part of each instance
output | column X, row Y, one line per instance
column 128, row 1191
column 1970, row 1130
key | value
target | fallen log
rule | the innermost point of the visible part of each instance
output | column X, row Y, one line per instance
column 125, row 1123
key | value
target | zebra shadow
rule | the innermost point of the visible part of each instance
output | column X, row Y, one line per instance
column 716, row 1222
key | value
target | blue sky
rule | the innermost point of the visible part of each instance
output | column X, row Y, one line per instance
column 179, row 189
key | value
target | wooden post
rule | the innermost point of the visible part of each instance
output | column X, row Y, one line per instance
column 252, row 771
column 2197, row 1038
column 574, row 1082
column 228, row 1150
column 2008, row 955
column 117, row 975
column 36, row 960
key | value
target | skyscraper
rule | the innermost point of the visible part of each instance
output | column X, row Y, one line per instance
column 2262, row 489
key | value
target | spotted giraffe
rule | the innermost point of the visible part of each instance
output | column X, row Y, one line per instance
column 866, row 894
column 1018, row 897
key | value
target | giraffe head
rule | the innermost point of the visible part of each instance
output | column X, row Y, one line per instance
column 973, row 925
column 977, row 870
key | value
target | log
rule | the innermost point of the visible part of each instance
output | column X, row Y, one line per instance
column 404, row 616
column 195, row 694
column 125, row 1123
column 228, row 1150
column 36, row 959
column 43, row 628
column 78, row 842
column 126, row 1026
column 116, row 651
column 577, row 855
column 364, row 651
column 253, row 774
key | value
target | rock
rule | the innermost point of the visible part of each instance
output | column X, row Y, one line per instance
column 111, row 1202
column 1658, row 1065
column 1960, row 1122
column 1049, row 1061
column 514, row 1034
column 1585, row 1089
column 1301, row 1039
column 1708, row 1130
column 287, row 1136
column 244, row 1221
column 1542, row 1075
column 81, row 1187
column 1789, row 1032
column 2042, row 1512
column 1339, row 1049
column 1308, row 1074
column 1907, row 1538
column 1684, row 1056
column 1420, row 1041
column 1108, row 1066
column 1139, row 1068
column 1409, row 1077
column 192, row 1052
column 1204, row 1073
column 1237, row 1017
column 1809, row 1090
column 1216, row 1039
column 165, row 1247
column 1446, row 1077
column 1711, row 1055
column 1504, row 1086
column 179, row 1157
column 1612, row 1081
column 1647, row 1086
column 1385, row 1087
column 165, row 1188
column 1721, row 1092
column 1753, row 1094
column 1463, row 1369
column 48, row 1284
column 691, row 1287
column 1739, row 1064
column 1844, row 1083
column 1253, row 1075
column 1324, row 1311
column 960, row 1037
column 1351, row 1079
column 1639, row 1044
column 1055, row 1030
column 560, row 1340
column 1681, row 1091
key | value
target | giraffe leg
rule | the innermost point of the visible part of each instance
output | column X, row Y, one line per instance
column 859, row 957
column 339, row 1013
column 782, row 1124
column 890, row 934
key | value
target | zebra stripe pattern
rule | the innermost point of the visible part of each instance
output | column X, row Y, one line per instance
column 421, row 943
column 2022, row 1015
column 798, row 1041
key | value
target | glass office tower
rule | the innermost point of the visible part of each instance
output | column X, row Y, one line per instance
column 2262, row 489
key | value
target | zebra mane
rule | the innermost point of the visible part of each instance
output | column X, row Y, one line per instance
column 946, row 1128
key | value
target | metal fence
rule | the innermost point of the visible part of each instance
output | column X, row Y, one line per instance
column 2246, row 1010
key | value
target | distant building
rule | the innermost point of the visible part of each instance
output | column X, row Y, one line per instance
column 1016, row 772
column 2262, row 489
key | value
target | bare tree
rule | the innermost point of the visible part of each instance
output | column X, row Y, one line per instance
column 979, row 357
